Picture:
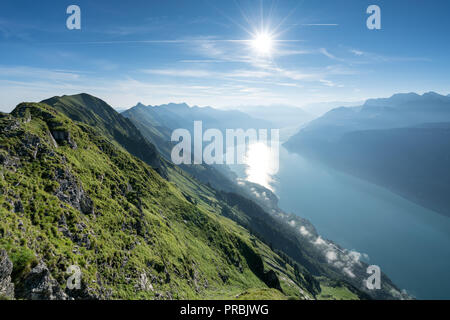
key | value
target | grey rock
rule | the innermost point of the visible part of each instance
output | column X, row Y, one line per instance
column 6, row 267
column 144, row 283
column 9, row 162
column 40, row 285
column 272, row 281
column 71, row 192
column 62, row 137
column 18, row 207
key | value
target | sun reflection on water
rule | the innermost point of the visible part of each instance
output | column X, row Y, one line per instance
column 261, row 165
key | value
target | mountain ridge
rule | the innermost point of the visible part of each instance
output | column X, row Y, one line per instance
column 93, row 111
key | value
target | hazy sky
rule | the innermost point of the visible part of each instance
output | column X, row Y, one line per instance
column 201, row 51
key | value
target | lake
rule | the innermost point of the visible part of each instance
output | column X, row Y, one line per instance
column 410, row 243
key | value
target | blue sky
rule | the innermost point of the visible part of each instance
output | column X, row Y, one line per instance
column 200, row 51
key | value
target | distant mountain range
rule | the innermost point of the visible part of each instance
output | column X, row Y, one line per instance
column 401, row 143
column 286, row 118
column 279, row 115
column 320, row 108
column 177, row 115
column 157, row 123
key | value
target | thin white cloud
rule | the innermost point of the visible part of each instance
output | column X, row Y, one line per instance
column 326, row 53
column 200, row 61
column 327, row 83
column 34, row 84
column 321, row 24
column 291, row 52
column 357, row 52
column 191, row 73
column 263, row 72
column 31, row 72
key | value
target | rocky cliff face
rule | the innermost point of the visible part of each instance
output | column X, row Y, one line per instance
column 39, row 284
column 6, row 285
column 71, row 191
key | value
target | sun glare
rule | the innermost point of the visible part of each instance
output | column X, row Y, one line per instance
column 263, row 43
column 259, row 162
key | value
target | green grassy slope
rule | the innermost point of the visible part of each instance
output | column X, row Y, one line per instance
column 158, row 130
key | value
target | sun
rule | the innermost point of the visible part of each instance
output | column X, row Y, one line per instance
column 263, row 43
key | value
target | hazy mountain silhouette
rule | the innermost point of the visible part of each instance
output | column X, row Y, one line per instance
column 181, row 115
column 279, row 116
column 401, row 143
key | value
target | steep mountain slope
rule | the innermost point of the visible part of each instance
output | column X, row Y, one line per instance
column 258, row 212
column 71, row 197
column 158, row 122
column 401, row 143
column 157, row 125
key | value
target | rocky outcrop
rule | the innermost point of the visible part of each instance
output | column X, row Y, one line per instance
column 256, row 264
column 62, row 137
column 71, row 192
column 271, row 280
column 144, row 283
column 40, row 285
column 6, row 285
column 9, row 162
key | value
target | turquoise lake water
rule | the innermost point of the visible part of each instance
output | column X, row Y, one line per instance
column 410, row 243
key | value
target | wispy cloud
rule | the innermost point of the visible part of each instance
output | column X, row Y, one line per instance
column 269, row 72
column 200, row 61
column 30, row 72
column 363, row 57
column 35, row 84
column 320, row 24
column 357, row 52
column 190, row 73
